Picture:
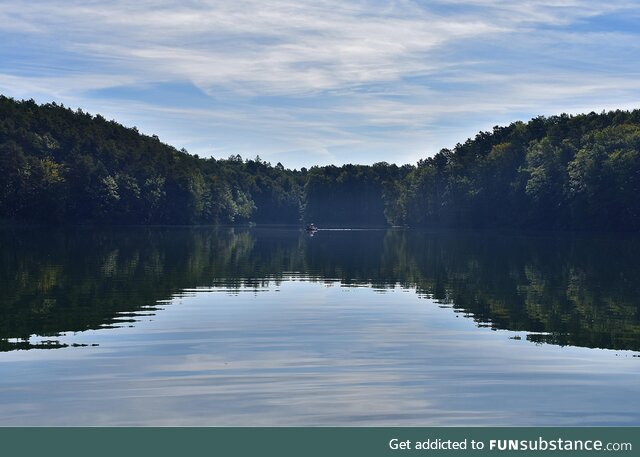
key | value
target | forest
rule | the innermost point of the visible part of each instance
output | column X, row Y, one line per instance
column 575, row 172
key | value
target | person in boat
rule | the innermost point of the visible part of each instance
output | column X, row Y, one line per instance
column 311, row 227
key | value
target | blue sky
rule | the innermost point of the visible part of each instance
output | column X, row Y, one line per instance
column 322, row 81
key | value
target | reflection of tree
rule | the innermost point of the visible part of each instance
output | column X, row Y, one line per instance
column 73, row 281
column 565, row 291
column 578, row 292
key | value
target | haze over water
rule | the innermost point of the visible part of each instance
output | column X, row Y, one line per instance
column 204, row 326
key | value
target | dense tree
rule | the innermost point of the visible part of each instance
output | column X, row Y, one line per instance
column 569, row 172
column 342, row 195
column 64, row 166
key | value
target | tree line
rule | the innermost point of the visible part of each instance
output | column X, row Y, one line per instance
column 568, row 172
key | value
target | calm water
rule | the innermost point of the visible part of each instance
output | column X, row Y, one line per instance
column 274, row 327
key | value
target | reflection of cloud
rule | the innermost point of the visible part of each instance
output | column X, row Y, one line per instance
column 314, row 355
column 347, row 76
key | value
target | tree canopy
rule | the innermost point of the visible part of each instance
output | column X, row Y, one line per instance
column 570, row 172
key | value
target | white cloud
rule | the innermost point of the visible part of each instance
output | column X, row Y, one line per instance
column 345, row 77
column 273, row 47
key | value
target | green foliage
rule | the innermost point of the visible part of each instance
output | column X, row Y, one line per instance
column 354, row 194
column 562, row 172
column 604, row 178
column 64, row 166
column 567, row 172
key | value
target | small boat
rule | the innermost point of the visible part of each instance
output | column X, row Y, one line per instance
column 311, row 227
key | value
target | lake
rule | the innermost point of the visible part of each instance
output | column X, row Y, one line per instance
column 274, row 326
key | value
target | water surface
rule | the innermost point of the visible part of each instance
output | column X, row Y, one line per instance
column 205, row 326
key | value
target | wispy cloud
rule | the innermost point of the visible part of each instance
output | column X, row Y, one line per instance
column 321, row 80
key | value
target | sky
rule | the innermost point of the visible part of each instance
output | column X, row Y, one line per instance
column 322, row 81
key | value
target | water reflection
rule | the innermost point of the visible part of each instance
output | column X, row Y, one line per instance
column 578, row 291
